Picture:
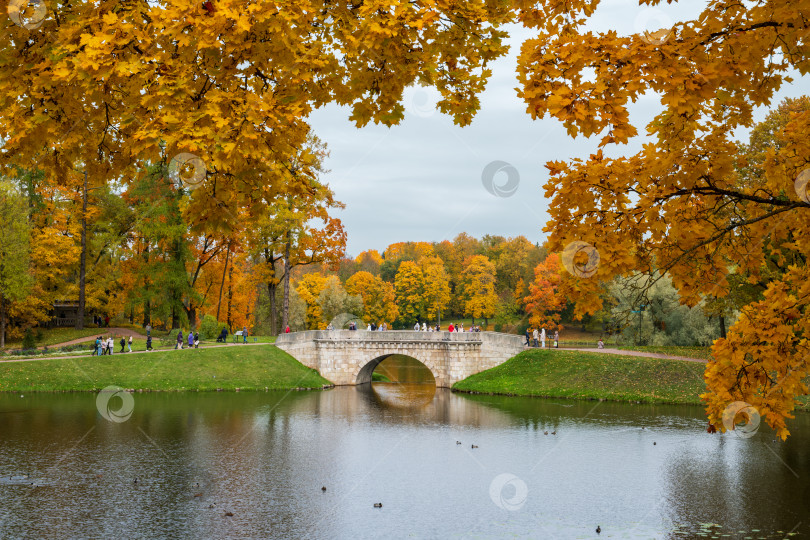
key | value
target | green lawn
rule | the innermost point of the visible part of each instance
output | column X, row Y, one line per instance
column 575, row 374
column 226, row 368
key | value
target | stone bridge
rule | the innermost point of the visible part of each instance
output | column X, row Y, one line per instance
column 348, row 357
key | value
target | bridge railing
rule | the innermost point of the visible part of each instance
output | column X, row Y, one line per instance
column 397, row 335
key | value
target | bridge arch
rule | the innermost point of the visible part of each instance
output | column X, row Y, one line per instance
column 364, row 371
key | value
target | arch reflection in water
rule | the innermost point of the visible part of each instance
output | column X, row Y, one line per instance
column 403, row 382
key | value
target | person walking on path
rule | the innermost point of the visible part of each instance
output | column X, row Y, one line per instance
column 129, row 344
column 190, row 339
column 287, row 330
column 179, row 339
column 528, row 343
column 110, row 345
column 123, row 343
column 543, row 337
column 196, row 340
column 556, row 339
column 148, row 343
column 450, row 328
column 535, row 336
column 244, row 334
column 416, row 326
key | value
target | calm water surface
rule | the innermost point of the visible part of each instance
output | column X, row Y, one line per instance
column 265, row 456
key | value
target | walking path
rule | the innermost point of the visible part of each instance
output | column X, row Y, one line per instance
column 634, row 353
column 73, row 357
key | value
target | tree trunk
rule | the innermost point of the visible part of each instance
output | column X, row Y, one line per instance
column 147, row 314
column 222, row 284
column 2, row 323
column 147, row 307
column 285, row 308
column 230, row 296
column 83, row 258
column 271, row 293
column 272, row 287
column 722, row 326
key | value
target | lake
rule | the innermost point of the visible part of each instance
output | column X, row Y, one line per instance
column 183, row 461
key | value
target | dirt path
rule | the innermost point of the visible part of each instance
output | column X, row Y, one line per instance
column 634, row 353
column 115, row 331
column 38, row 359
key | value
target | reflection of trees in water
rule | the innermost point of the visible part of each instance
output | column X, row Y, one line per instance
column 404, row 369
column 740, row 484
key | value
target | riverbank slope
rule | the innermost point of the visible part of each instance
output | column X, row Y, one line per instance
column 248, row 367
column 584, row 375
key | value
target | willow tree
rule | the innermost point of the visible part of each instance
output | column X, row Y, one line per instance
column 680, row 204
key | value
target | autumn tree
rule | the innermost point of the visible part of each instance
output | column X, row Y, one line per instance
column 545, row 300
column 478, row 288
column 378, row 297
column 309, row 289
column 14, row 251
column 437, row 286
column 680, row 204
column 410, row 290
column 297, row 229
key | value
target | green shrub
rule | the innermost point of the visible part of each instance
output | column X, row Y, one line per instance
column 210, row 327
column 29, row 341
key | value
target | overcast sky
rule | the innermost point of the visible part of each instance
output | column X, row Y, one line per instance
column 422, row 180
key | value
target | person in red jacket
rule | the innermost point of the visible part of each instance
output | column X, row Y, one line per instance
column 451, row 328
column 287, row 330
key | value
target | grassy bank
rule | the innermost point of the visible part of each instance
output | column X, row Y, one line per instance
column 226, row 368
column 575, row 374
